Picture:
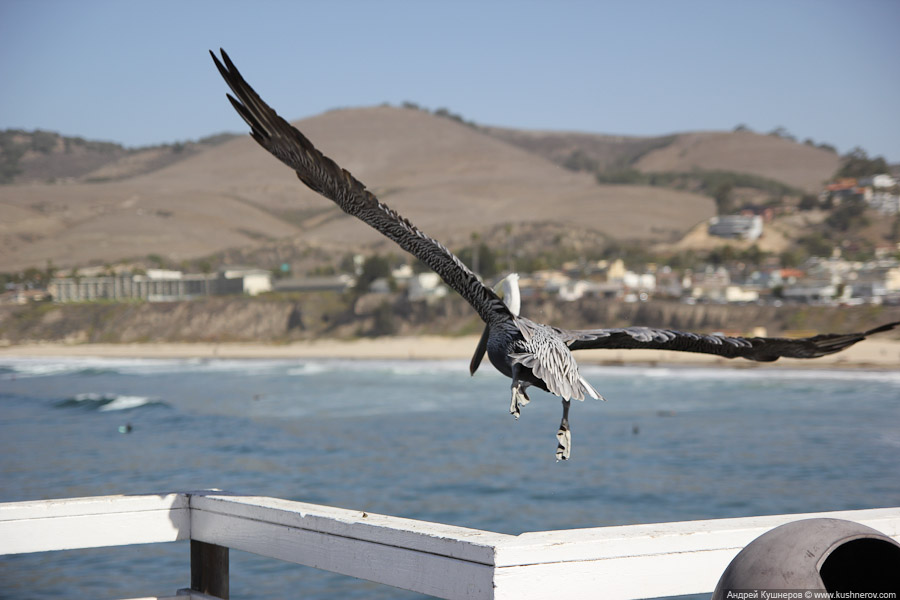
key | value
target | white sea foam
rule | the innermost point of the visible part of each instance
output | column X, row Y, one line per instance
column 127, row 403
column 108, row 401
column 43, row 367
column 311, row 368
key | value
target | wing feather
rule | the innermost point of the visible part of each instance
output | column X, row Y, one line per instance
column 765, row 349
column 326, row 177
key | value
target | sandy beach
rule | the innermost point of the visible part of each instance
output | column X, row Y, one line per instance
column 869, row 354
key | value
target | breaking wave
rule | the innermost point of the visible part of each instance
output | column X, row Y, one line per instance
column 108, row 402
column 13, row 368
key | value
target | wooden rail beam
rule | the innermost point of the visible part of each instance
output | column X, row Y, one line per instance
column 71, row 523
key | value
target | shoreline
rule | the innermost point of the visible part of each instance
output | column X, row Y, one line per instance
column 868, row 354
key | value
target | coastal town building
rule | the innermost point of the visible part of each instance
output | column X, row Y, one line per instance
column 880, row 192
column 157, row 285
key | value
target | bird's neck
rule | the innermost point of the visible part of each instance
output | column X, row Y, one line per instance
column 512, row 298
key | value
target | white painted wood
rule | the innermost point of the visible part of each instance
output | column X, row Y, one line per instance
column 666, row 538
column 93, row 522
column 434, row 538
column 411, row 569
column 635, row 561
column 91, row 505
column 643, row 561
column 614, row 579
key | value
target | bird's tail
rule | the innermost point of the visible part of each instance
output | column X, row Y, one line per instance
column 588, row 389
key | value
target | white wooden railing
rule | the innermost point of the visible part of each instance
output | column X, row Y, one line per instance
column 633, row 561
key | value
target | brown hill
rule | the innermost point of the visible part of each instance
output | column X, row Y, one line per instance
column 797, row 165
column 48, row 157
column 582, row 151
column 448, row 178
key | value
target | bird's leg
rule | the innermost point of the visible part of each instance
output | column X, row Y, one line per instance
column 564, row 436
column 519, row 396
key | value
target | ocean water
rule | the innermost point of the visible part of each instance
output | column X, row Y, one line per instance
column 422, row 439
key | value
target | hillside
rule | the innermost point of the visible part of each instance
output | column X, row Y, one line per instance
column 800, row 166
column 582, row 151
column 797, row 165
column 48, row 157
column 448, row 178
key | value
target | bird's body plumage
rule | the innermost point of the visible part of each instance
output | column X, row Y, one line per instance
column 531, row 354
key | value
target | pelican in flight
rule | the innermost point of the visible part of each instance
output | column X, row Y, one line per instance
column 530, row 353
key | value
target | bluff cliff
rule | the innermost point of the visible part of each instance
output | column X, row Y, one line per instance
column 319, row 315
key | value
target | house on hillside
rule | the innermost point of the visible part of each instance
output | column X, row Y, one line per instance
column 811, row 291
column 875, row 281
column 882, row 181
column 709, row 284
column 746, row 227
column 885, row 202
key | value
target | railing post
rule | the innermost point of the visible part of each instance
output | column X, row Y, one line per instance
column 209, row 569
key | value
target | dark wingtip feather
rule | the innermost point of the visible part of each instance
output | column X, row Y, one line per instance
column 222, row 71
column 886, row 327
column 248, row 117
column 227, row 60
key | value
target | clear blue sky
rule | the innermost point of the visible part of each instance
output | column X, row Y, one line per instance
column 139, row 73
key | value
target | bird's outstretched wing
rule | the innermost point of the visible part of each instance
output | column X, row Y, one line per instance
column 324, row 176
column 765, row 349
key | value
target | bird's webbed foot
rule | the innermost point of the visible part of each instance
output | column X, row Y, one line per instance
column 519, row 398
column 564, row 435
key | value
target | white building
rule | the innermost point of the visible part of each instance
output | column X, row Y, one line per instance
column 159, row 285
column 883, row 181
column 737, row 226
column 254, row 281
column 811, row 291
column 884, row 202
column 645, row 282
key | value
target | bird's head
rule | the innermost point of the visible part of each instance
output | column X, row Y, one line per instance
column 508, row 289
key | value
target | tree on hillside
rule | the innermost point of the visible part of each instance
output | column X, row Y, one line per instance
column 857, row 163
column 374, row 267
column 480, row 258
column 578, row 160
column 850, row 214
column 808, row 202
column 782, row 133
column 722, row 195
